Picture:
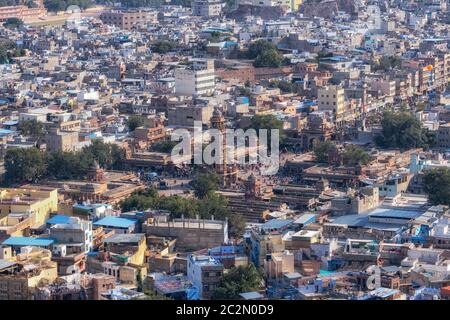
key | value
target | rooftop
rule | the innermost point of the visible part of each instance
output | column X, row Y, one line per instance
column 28, row 241
column 276, row 224
column 125, row 238
column 115, row 222
column 59, row 219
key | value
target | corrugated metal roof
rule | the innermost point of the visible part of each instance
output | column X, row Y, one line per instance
column 59, row 219
column 6, row 264
column 276, row 223
column 28, row 241
column 115, row 222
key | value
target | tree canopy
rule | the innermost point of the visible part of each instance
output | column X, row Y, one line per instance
column 388, row 63
column 284, row 86
column 264, row 53
column 135, row 121
column 238, row 280
column 211, row 204
column 31, row 128
column 205, row 184
column 269, row 122
column 257, row 47
column 164, row 46
column 26, row 165
column 266, row 122
column 163, row 146
column 8, row 50
column 322, row 150
column 269, row 58
column 437, row 186
column 13, row 23
column 403, row 130
column 354, row 155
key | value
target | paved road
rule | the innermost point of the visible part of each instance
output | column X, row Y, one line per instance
column 175, row 186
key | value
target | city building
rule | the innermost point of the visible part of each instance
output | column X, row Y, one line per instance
column 205, row 274
column 197, row 79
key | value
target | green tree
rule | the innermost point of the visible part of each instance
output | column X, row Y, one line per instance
column 269, row 122
column 403, row 130
column 268, row 58
column 388, row 63
column 109, row 156
column 354, row 155
column 141, row 200
column 164, row 146
column 179, row 206
column 210, row 205
column 66, row 165
column 137, row 202
column 322, row 149
column 205, row 183
column 258, row 47
column 437, row 186
column 284, row 86
column 244, row 91
column 322, row 55
column 24, row 165
column 236, row 225
column 213, row 204
column 13, row 23
column 32, row 128
column 8, row 50
column 164, row 46
column 135, row 121
column 238, row 280
column 266, row 121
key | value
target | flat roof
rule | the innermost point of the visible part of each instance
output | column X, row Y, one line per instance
column 395, row 213
column 115, row 222
column 28, row 241
column 362, row 220
column 251, row 295
column 305, row 218
column 305, row 234
column 59, row 219
column 124, row 238
column 383, row 292
column 6, row 264
column 277, row 223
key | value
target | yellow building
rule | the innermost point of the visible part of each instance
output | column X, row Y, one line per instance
column 24, row 208
column 295, row 4
column 32, row 267
column 127, row 248
column 332, row 98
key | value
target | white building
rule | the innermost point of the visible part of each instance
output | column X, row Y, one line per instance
column 272, row 3
column 74, row 234
column 199, row 79
column 207, row 8
column 204, row 272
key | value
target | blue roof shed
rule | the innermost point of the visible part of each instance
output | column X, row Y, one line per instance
column 115, row 222
column 28, row 241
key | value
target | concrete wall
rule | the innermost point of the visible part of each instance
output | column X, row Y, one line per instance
column 189, row 238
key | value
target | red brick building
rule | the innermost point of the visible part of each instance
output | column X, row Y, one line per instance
column 22, row 12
